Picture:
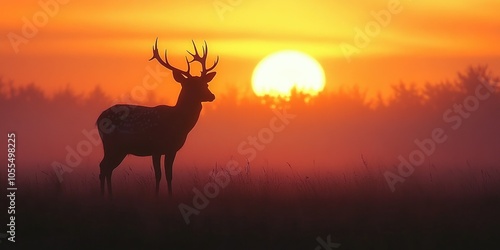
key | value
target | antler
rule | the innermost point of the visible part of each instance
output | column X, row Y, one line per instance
column 165, row 63
column 202, row 59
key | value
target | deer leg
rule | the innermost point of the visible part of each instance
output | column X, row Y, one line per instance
column 102, row 180
column 104, row 166
column 108, row 164
column 169, row 160
column 156, row 166
column 108, row 181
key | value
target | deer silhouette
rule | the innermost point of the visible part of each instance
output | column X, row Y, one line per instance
column 155, row 131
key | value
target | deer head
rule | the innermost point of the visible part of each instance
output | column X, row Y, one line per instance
column 194, row 86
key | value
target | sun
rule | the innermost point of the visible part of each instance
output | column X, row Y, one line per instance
column 278, row 73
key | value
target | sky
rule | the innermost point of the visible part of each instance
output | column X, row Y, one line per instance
column 82, row 44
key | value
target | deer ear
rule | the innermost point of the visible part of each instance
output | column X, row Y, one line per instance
column 210, row 76
column 179, row 77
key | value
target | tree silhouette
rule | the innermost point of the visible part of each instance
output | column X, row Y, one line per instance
column 343, row 116
column 473, row 77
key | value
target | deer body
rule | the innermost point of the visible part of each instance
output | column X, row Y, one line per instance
column 164, row 129
column 154, row 131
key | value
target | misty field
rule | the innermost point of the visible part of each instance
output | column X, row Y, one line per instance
column 437, row 208
column 316, row 183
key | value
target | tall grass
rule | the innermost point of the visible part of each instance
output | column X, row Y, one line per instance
column 262, row 208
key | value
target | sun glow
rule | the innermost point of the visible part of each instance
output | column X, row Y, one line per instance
column 278, row 73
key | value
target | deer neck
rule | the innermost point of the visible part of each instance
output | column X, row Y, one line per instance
column 189, row 108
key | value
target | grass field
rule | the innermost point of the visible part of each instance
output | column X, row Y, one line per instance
column 436, row 209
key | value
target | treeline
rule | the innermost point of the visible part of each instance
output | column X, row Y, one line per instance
column 404, row 97
column 334, row 126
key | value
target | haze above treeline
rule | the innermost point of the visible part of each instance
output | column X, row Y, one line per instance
column 328, row 132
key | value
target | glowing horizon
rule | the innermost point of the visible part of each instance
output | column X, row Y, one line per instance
column 96, row 43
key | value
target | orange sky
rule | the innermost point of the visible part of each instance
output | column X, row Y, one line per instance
column 85, row 43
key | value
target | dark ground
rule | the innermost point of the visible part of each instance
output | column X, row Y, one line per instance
column 264, row 213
